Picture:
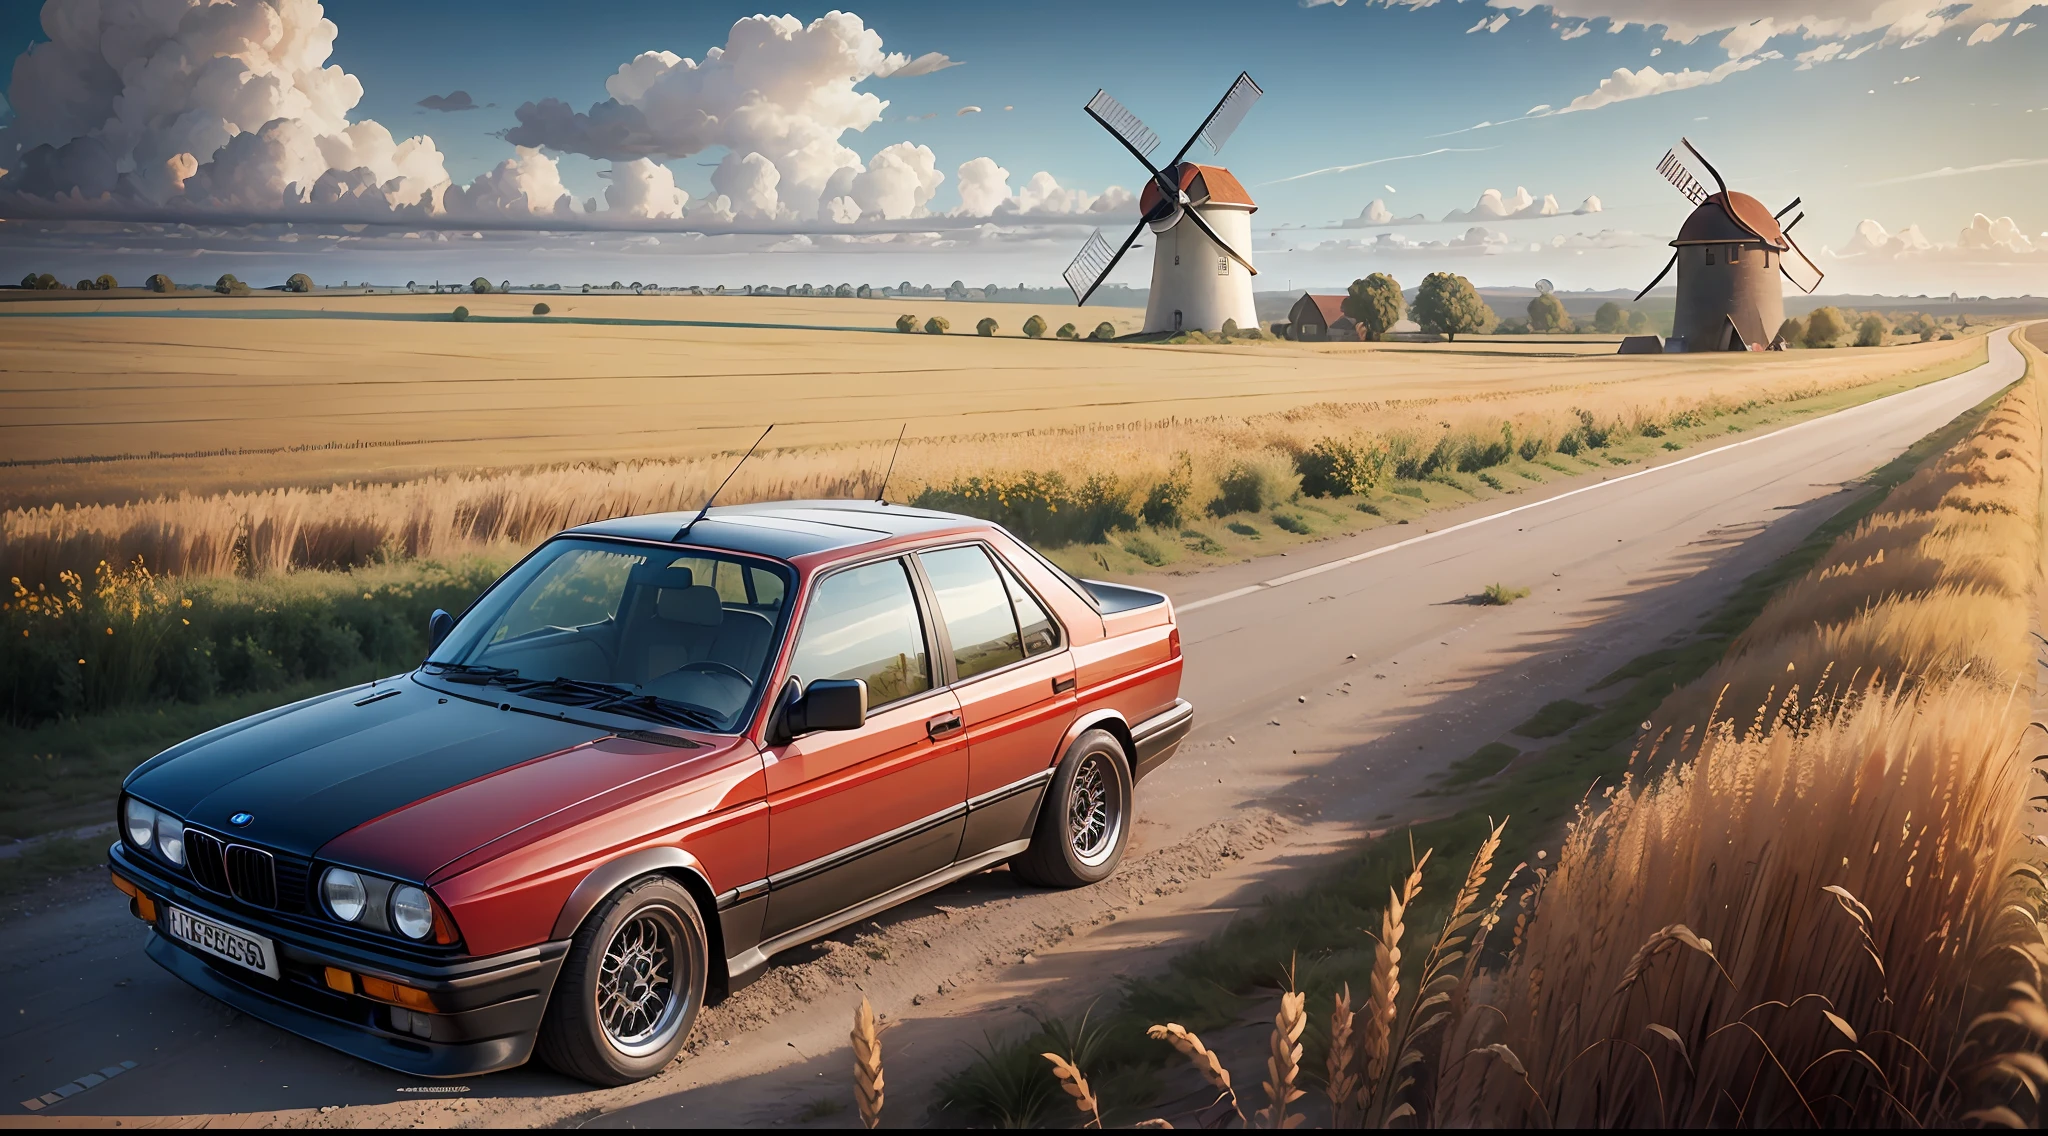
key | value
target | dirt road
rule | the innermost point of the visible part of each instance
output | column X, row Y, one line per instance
column 1329, row 684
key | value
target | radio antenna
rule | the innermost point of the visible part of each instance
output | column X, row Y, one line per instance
column 685, row 530
column 886, row 474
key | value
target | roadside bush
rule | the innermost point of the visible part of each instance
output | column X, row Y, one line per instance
column 1066, row 331
column 459, row 314
column 1104, row 330
column 986, row 327
column 1291, row 522
column 1035, row 327
column 1256, row 483
column 540, row 309
column 1337, row 467
column 1043, row 508
column 1166, row 502
column 937, row 325
column 1475, row 454
column 128, row 636
column 906, row 323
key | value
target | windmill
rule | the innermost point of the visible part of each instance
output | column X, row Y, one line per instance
column 1202, row 270
column 1729, row 254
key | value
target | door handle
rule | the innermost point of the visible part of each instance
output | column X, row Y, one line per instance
column 1063, row 685
column 938, row 728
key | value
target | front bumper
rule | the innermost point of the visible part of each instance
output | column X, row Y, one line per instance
column 487, row 1009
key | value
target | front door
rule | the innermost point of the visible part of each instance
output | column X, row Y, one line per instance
column 1015, row 680
column 853, row 814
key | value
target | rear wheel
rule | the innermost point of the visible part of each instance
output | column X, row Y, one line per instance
column 1084, row 821
column 630, row 987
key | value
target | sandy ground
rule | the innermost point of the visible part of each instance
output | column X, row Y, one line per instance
column 1330, row 684
column 375, row 392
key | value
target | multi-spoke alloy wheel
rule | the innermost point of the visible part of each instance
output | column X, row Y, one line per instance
column 630, row 986
column 1083, row 823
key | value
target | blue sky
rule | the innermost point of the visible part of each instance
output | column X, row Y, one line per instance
column 1345, row 84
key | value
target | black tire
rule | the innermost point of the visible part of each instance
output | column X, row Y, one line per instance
column 1085, row 820
column 608, row 1021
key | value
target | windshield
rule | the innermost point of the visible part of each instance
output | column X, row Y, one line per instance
column 680, row 638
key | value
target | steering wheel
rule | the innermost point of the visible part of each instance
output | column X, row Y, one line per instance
column 712, row 666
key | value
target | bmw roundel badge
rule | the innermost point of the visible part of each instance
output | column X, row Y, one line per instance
column 241, row 820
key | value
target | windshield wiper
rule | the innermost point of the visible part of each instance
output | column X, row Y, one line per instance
column 660, row 710
column 613, row 697
column 472, row 672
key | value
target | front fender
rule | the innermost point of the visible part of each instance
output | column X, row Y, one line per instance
column 609, row 877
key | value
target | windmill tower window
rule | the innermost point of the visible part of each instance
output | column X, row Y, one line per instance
column 1222, row 266
column 1176, row 319
column 1176, row 259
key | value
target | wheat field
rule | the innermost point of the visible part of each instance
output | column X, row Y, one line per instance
column 260, row 403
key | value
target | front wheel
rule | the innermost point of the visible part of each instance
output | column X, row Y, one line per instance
column 630, row 987
column 1085, row 819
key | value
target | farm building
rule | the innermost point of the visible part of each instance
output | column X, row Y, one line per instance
column 1320, row 318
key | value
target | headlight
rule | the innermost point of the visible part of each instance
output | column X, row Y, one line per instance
column 412, row 912
column 344, row 892
column 141, row 822
column 170, row 838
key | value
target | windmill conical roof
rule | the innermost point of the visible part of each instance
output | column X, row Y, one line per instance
column 1731, row 216
column 1211, row 185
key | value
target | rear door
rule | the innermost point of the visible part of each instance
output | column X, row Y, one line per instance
column 855, row 813
column 1015, row 680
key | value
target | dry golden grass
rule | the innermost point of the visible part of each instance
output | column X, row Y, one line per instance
column 274, row 529
column 1813, row 918
column 265, row 403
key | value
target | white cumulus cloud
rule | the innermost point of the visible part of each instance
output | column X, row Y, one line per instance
column 1983, row 239
column 528, row 182
column 645, row 189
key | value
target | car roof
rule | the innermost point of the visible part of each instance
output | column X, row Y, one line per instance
column 786, row 529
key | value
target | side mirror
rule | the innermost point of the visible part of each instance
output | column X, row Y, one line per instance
column 439, row 625
column 829, row 704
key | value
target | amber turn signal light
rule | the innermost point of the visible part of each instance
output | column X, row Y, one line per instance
column 396, row 993
column 339, row 979
column 139, row 902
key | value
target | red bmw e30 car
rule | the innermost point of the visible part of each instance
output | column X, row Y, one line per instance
column 656, row 752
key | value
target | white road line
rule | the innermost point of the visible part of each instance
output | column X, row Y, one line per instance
column 1319, row 569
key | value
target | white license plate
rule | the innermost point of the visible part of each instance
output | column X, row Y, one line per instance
column 223, row 942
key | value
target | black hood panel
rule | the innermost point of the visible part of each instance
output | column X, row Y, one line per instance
column 318, row 769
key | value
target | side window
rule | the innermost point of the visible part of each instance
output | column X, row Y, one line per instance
column 976, row 609
column 1041, row 634
column 863, row 624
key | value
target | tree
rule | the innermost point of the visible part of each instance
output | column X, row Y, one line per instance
column 1066, row 331
column 1104, row 330
column 937, row 325
column 227, row 285
column 1870, row 333
column 1546, row 313
column 1447, row 304
column 1035, row 327
column 160, row 283
column 1638, row 323
column 105, row 282
column 47, row 282
column 1609, row 318
column 459, row 314
column 1823, row 328
column 1230, row 329
column 844, row 291
column 906, row 322
column 1374, row 304
column 299, row 282
column 540, row 309
column 480, row 286
column 864, row 292
column 990, row 292
column 986, row 327
column 1791, row 331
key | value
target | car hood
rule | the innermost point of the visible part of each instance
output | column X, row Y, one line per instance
column 309, row 772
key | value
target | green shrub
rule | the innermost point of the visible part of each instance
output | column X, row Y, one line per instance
column 459, row 314
column 540, row 309
column 1043, row 508
column 1592, row 432
column 937, row 325
column 1475, row 455
column 1492, row 482
column 1255, row 484
column 1367, row 507
column 1104, row 330
column 1500, row 595
column 1166, row 502
column 1571, row 442
column 298, row 282
column 1035, row 327
column 1414, row 491
column 1145, row 549
column 1291, row 522
column 1336, row 467
column 1066, row 331
column 986, row 327
column 1242, row 529
column 906, row 323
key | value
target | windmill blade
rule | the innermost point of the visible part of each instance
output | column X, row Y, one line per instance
column 1795, row 221
column 1223, row 121
column 1127, row 127
column 1093, row 264
column 1797, row 268
column 1660, row 278
column 1788, row 209
column 1676, row 170
column 1195, row 215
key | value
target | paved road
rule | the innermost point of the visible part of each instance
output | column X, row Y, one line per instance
column 1329, row 684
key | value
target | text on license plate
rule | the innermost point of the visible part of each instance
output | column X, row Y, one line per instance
column 231, row 943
